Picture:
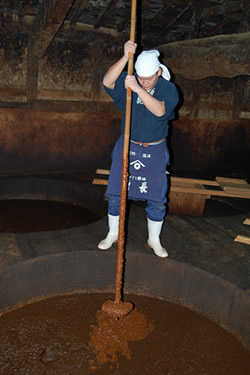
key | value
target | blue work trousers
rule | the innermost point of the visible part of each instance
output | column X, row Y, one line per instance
column 156, row 210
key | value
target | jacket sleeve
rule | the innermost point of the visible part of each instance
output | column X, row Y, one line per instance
column 118, row 93
column 170, row 96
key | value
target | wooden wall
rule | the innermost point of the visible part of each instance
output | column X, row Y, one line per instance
column 73, row 124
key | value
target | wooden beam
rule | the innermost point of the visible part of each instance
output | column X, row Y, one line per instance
column 75, row 11
column 245, row 17
column 26, row 8
column 223, row 9
column 47, row 24
column 159, row 14
column 32, row 76
column 239, row 94
column 214, row 30
column 194, row 24
column 105, row 14
column 174, row 21
column 83, row 27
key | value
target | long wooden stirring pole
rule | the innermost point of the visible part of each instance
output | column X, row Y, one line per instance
column 118, row 308
column 124, row 179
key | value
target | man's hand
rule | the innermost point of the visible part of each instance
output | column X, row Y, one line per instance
column 152, row 104
column 129, row 46
column 131, row 82
column 115, row 70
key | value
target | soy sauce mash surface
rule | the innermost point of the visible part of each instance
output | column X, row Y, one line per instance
column 53, row 336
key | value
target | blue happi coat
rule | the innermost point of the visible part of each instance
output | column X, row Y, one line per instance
column 147, row 165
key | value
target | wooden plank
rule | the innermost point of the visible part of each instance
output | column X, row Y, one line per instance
column 103, row 171
column 183, row 184
column 240, row 193
column 179, row 189
column 234, row 186
column 98, row 181
column 76, row 10
column 47, row 24
column 173, row 179
column 244, row 193
column 242, row 239
column 221, row 193
column 196, row 186
column 247, row 221
column 227, row 180
column 197, row 181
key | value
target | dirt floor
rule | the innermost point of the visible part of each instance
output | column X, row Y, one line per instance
column 69, row 335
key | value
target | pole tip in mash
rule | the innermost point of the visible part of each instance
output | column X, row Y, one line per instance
column 117, row 310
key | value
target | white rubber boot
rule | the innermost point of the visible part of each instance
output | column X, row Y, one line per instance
column 112, row 236
column 154, row 230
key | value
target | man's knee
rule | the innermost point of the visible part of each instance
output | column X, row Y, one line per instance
column 156, row 211
column 114, row 205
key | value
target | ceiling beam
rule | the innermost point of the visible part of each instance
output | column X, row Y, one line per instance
column 76, row 10
column 219, row 25
column 26, row 8
column 173, row 22
column 32, row 77
column 105, row 14
column 85, row 28
column 245, row 26
column 47, row 24
column 194, row 25
column 223, row 9
column 140, row 6
column 158, row 15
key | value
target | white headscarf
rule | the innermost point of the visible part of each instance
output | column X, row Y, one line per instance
column 147, row 64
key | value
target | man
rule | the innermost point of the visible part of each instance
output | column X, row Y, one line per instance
column 153, row 103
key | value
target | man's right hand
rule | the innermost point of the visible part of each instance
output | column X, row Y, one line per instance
column 129, row 47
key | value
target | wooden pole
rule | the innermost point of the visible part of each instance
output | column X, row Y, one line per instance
column 124, row 179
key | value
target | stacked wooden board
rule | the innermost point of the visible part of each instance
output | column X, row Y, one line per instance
column 240, row 237
column 188, row 195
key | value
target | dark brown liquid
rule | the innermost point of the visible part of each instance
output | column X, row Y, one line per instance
column 53, row 336
column 28, row 215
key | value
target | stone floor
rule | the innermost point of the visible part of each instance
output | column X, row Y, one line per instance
column 206, row 242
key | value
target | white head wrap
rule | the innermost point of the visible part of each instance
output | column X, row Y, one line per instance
column 147, row 64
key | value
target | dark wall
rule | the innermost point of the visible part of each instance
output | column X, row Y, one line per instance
column 206, row 148
column 37, row 141
column 42, row 140
column 73, row 124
